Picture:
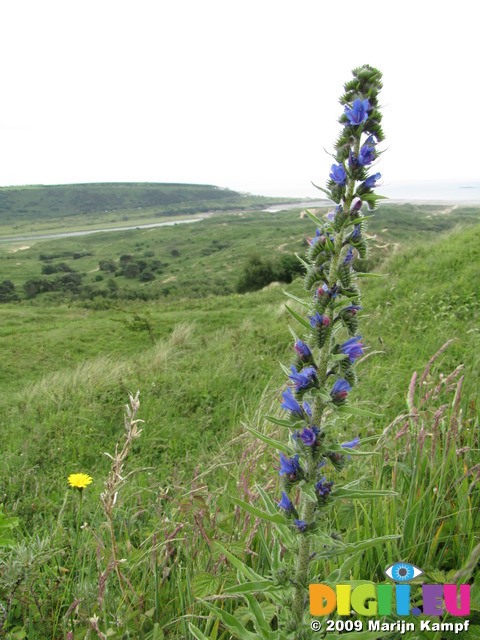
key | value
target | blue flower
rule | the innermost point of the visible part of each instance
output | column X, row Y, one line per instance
column 319, row 321
column 324, row 488
column 289, row 467
column 302, row 350
column 366, row 155
column 286, row 503
column 307, row 408
column 308, row 437
column 351, row 310
column 301, row 525
column 353, row 348
column 289, row 403
column 358, row 113
column 340, row 390
column 322, row 464
column 302, row 379
column 352, row 444
column 371, row 181
column 337, row 174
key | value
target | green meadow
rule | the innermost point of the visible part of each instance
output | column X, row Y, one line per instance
column 193, row 317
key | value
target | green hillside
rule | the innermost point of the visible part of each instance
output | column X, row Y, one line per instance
column 205, row 364
column 69, row 207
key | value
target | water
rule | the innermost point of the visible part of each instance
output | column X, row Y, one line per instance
column 68, row 234
column 432, row 190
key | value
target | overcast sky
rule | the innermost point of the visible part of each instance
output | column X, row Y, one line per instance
column 237, row 93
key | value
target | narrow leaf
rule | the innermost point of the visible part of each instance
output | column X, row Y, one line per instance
column 196, row 632
column 313, row 217
column 282, row 423
column 304, row 303
column 298, row 317
column 258, row 513
column 275, row 444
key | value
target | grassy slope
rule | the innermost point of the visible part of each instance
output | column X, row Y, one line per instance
column 215, row 364
column 68, row 377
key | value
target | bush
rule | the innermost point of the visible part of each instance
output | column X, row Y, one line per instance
column 257, row 273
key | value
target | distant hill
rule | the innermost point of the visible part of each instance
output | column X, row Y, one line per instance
column 60, row 201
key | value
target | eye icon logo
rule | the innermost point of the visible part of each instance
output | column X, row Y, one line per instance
column 402, row 572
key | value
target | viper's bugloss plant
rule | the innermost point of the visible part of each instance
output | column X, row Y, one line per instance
column 320, row 383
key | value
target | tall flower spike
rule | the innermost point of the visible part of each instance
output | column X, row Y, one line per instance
column 324, row 370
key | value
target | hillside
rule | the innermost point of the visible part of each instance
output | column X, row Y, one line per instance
column 60, row 207
column 205, row 366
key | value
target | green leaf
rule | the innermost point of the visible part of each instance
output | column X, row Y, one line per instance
column 248, row 573
column 313, row 217
column 276, row 444
column 233, row 625
column 252, row 587
column 358, row 220
column 337, row 448
column 283, row 423
column 204, row 584
column 302, row 261
column 304, row 303
column 261, row 624
column 258, row 513
column 196, row 632
column 364, row 494
column 299, row 318
column 356, row 411
column 324, row 191
column 329, row 244
column 341, row 549
column 338, row 356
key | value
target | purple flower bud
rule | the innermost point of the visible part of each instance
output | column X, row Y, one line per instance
column 358, row 113
column 325, row 290
column 340, row 390
column 353, row 348
column 302, row 351
column 319, row 321
column 337, row 174
column 356, row 205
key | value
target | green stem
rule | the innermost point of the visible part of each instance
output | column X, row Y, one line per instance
column 302, row 563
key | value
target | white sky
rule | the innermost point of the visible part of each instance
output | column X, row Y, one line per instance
column 237, row 93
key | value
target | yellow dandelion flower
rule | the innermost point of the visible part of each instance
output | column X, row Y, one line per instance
column 79, row 480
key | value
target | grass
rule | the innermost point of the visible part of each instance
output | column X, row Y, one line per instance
column 212, row 365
